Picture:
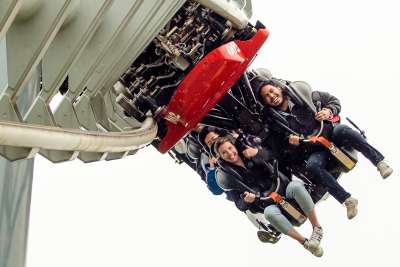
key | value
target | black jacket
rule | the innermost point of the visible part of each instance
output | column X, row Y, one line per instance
column 256, row 177
column 300, row 119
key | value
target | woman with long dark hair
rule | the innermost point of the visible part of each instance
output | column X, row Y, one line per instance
column 248, row 164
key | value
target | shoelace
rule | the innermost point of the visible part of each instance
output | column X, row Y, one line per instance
column 350, row 204
column 316, row 234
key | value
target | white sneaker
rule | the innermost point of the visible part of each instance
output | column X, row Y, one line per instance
column 316, row 237
column 384, row 169
column 351, row 206
column 317, row 252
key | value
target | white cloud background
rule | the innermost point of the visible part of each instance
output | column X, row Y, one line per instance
column 146, row 210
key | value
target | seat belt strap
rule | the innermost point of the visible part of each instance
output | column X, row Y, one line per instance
column 292, row 211
column 335, row 151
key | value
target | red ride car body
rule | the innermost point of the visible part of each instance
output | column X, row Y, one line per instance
column 206, row 84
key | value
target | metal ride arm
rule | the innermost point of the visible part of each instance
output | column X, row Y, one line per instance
column 55, row 138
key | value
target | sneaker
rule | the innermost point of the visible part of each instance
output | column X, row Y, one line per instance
column 266, row 237
column 318, row 251
column 351, row 206
column 316, row 237
column 384, row 169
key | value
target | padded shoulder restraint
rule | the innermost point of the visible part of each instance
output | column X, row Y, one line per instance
column 193, row 149
column 263, row 72
column 302, row 91
column 228, row 179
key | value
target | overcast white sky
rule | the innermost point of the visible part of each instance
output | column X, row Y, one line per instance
column 147, row 211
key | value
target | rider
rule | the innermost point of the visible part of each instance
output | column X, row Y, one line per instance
column 207, row 137
column 248, row 164
column 301, row 119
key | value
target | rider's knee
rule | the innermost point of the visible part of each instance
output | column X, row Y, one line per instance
column 277, row 219
column 340, row 131
column 313, row 165
column 295, row 187
column 271, row 212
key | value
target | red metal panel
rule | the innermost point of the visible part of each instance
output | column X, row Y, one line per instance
column 206, row 84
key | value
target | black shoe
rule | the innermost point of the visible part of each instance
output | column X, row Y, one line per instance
column 266, row 237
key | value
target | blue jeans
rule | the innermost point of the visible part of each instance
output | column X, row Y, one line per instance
column 342, row 135
column 294, row 190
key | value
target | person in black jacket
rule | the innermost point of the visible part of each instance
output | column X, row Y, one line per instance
column 250, row 168
column 302, row 120
column 207, row 137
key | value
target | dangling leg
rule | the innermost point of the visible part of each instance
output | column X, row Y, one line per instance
column 297, row 191
column 343, row 135
column 259, row 221
column 281, row 223
column 316, row 164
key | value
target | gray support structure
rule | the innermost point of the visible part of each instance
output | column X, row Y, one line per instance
column 15, row 185
column 92, row 42
column 61, row 55
column 27, row 40
column 8, row 11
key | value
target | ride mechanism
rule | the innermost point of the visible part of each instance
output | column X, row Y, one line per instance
column 125, row 74
column 112, row 105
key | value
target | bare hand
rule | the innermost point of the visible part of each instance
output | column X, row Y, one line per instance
column 294, row 140
column 249, row 197
column 324, row 114
column 212, row 161
column 250, row 152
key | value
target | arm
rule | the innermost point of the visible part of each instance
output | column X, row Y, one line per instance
column 327, row 101
column 239, row 202
column 233, row 191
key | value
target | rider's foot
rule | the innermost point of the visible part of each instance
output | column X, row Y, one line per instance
column 316, row 237
column 384, row 169
column 318, row 251
column 351, row 206
column 265, row 237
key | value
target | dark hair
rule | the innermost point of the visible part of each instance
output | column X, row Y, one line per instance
column 205, row 131
column 221, row 140
column 259, row 82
